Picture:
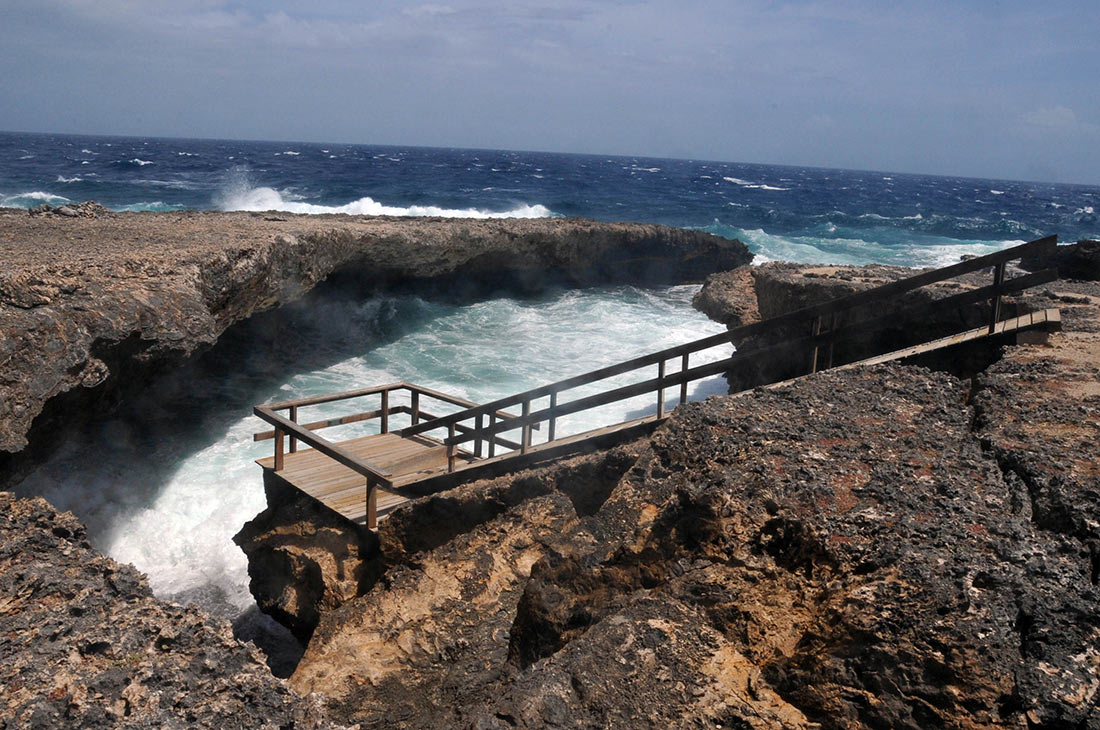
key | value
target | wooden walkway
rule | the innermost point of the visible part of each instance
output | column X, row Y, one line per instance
column 365, row 477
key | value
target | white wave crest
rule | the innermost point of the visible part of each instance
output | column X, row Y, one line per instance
column 996, row 192
column 263, row 198
column 25, row 200
column 63, row 179
column 140, row 162
column 855, row 251
column 747, row 184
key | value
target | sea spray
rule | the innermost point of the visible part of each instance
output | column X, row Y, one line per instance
column 167, row 481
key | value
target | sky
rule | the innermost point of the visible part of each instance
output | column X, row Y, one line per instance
column 1005, row 90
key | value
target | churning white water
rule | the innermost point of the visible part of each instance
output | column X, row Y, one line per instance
column 165, row 483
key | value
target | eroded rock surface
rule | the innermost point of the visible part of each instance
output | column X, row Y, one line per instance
column 88, row 303
column 841, row 552
column 417, row 650
column 83, row 643
column 1039, row 414
column 304, row 559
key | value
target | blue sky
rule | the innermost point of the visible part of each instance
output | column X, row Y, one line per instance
column 985, row 89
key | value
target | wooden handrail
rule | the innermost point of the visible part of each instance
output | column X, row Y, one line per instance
column 341, row 421
column 329, row 449
column 973, row 296
column 801, row 315
column 319, row 399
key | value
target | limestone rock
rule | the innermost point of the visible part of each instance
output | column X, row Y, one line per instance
column 849, row 538
column 415, row 651
column 128, row 294
column 83, row 643
column 1079, row 260
column 729, row 297
column 303, row 560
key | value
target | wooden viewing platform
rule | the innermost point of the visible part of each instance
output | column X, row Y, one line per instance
column 365, row 477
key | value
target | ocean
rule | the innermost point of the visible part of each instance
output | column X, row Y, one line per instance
column 167, row 493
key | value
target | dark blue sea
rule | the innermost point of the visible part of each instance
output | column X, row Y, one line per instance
column 167, row 493
column 794, row 213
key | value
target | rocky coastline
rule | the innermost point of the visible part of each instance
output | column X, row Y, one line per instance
column 879, row 547
column 93, row 303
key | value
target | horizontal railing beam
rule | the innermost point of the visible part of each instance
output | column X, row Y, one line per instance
column 342, row 420
column 464, row 429
column 973, row 296
column 600, row 399
column 319, row 399
column 453, row 399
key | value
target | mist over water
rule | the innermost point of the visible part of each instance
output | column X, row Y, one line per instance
column 167, row 481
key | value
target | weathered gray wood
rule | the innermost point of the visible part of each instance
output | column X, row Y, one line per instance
column 293, row 417
column 319, row 399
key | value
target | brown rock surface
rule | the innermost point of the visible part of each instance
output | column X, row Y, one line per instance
column 87, row 303
column 841, row 552
column 1039, row 414
column 417, row 650
column 303, row 559
column 83, row 643
column 729, row 297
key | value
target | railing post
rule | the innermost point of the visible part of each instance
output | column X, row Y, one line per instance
column 998, row 280
column 278, row 449
column 477, row 430
column 815, row 330
column 553, row 416
column 525, row 440
column 293, row 439
column 372, row 504
column 450, row 449
column 684, row 385
column 493, row 438
column 385, row 411
column 415, row 407
column 660, row 390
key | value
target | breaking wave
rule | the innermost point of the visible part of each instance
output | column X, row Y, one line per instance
column 244, row 198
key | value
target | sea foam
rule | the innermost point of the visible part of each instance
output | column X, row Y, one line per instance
column 264, row 198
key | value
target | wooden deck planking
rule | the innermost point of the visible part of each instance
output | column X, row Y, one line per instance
column 344, row 490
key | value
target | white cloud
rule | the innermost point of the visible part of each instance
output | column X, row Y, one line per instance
column 429, row 10
column 1060, row 120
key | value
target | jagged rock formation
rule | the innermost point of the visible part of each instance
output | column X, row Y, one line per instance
column 83, row 643
column 303, row 560
column 844, row 551
column 91, row 302
column 885, row 547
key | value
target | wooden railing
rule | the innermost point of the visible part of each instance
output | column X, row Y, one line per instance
column 288, row 432
column 484, row 425
column 822, row 321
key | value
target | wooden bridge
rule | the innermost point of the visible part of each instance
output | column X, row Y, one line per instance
column 365, row 477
